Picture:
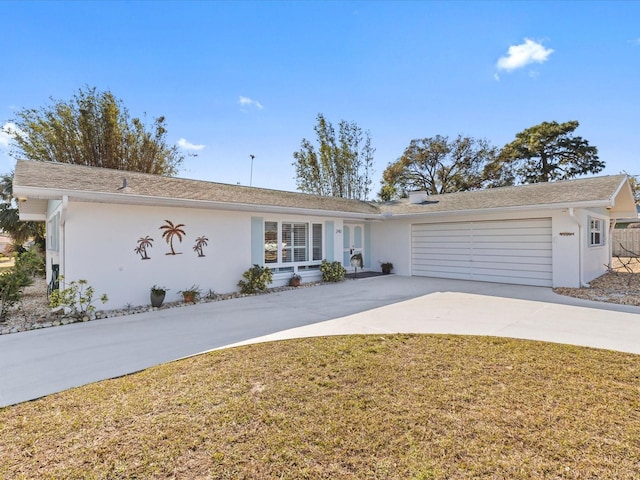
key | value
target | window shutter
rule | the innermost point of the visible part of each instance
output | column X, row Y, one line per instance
column 257, row 240
column 367, row 245
column 328, row 241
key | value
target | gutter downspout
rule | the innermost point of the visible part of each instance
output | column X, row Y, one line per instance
column 572, row 214
column 609, row 240
column 63, row 221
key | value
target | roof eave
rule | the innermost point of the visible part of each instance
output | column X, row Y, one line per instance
column 119, row 198
column 472, row 211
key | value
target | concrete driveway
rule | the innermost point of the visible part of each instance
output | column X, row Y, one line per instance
column 41, row 362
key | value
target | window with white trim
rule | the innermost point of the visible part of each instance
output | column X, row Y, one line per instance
column 53, row 233
column 292, row 242
column 596, row 232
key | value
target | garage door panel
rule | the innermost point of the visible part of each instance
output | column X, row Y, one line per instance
column 511, row 280
column 435, row 260
column 451, row 252
column 442, row 247
column 510, row 238
column 508, row 224
column 441, row 240
column 492, row 235
column 507, row 274
column 438, row 262
column 446, row 274
column 502, row 244
column 458, row 230
column 449, row 227
column 510, row 251
column 514, row 267
column 542, row 259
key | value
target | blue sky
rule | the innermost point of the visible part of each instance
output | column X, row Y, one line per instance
column 241, row 78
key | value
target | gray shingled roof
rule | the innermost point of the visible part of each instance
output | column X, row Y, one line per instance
column 70, row 179
column 595, row 189
column 78, row 178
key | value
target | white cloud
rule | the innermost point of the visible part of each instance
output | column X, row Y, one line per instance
column 519, row 56
column 6, row 133
column 183, row 143
column 246, row 101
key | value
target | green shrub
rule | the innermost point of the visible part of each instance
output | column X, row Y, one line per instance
column 28, row 264
column 31, row 262
column 332, row 271
column 257, row 278
column 76, row 298
column 11, row 284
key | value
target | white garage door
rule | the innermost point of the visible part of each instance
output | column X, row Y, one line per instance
column 509, row 251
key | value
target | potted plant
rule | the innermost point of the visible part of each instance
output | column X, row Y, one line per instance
column 386, row 267
column 295, row 280
column 157, row 295
column 191, row 294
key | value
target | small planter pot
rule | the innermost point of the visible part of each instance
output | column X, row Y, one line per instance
column 157, row 299
column 295, row 282
column 189, row 297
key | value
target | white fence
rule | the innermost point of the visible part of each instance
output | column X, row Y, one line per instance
column 629, row 238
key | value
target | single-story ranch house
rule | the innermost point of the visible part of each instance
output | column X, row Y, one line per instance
column 126, row 231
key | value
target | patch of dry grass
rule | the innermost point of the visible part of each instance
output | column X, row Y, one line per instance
column 6, row 263
column 392, row 407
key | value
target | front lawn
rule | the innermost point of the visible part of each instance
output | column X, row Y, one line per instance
column 354, row 407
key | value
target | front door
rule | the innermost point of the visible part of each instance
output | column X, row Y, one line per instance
column 353, row 242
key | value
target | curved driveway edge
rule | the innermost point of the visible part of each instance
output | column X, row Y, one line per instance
column 473, row 314
column 42, row 362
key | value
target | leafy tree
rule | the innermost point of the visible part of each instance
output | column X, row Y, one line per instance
column 440, row 165
column 341, row 166
column 94, row 128
column 10, row 222
column 549, row 151
column 635, row 186
column 387, row 192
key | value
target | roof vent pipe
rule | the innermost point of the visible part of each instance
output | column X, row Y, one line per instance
column 417, row 197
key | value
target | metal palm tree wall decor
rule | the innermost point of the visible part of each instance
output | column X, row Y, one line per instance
column 171, row 231
column 143, row 244
column 201, row 242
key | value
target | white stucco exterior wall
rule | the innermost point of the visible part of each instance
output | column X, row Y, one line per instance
column 565, row 238
column 596, row 258
column 391, row 242
column 101, row 238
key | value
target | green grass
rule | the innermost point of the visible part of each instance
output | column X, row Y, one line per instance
column 356, row 407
